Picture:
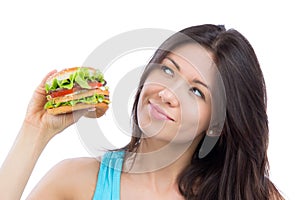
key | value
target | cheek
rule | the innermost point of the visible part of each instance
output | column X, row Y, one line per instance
column 195, row 119
column 204, row 118
column 142, row 116
column 143, row 120
column 145, row 123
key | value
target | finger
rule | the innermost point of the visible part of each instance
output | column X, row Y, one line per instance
column 38, row 97
column 78, row 114
column 42, row 84
column 74, row 116
column 47, row 76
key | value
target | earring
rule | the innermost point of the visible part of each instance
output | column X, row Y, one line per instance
column 208, row 143
column 210, row 132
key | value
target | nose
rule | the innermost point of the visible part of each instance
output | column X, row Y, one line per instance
column 168, row 97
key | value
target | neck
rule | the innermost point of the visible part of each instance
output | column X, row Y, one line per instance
column 157, row 157
column 159, row 164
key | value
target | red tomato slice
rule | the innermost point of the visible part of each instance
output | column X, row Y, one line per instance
column 62, row 92
column 95, row 84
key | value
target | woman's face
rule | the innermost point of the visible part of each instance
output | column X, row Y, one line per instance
column 175, row 102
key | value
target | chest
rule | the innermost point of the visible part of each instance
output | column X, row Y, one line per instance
column 134, row 189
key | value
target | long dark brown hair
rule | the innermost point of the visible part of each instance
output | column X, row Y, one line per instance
column 237, row 167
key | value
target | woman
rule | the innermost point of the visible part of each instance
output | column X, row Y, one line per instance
column 200, row 131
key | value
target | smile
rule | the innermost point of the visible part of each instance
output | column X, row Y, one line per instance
column 158, row 113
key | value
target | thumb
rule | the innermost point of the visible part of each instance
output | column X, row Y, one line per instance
column 73, row 117
column 78, row 114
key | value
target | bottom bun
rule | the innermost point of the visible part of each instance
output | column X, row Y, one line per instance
column 96, row 110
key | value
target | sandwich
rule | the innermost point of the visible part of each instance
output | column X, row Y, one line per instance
column 77, row 88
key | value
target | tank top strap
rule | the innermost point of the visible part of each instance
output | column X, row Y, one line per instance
column 109, row 176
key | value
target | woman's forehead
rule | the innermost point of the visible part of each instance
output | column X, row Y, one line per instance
column 195, row 57
column 193, row 53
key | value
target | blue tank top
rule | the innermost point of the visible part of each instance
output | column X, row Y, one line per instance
column 109, row 176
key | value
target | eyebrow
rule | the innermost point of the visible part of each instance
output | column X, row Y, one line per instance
column 178, row 68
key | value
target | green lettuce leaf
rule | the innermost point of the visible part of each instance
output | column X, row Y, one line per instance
column 51, row 87
column 82, row 76
column 96, row 98
column 67, row 84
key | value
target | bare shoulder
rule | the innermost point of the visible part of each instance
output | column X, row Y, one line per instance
column 70, row 179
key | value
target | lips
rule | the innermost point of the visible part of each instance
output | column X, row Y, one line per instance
column 158, row 113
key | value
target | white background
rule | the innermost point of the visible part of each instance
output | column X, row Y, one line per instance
column 36, row 37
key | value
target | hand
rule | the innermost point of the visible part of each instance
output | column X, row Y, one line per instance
column 38, row 117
